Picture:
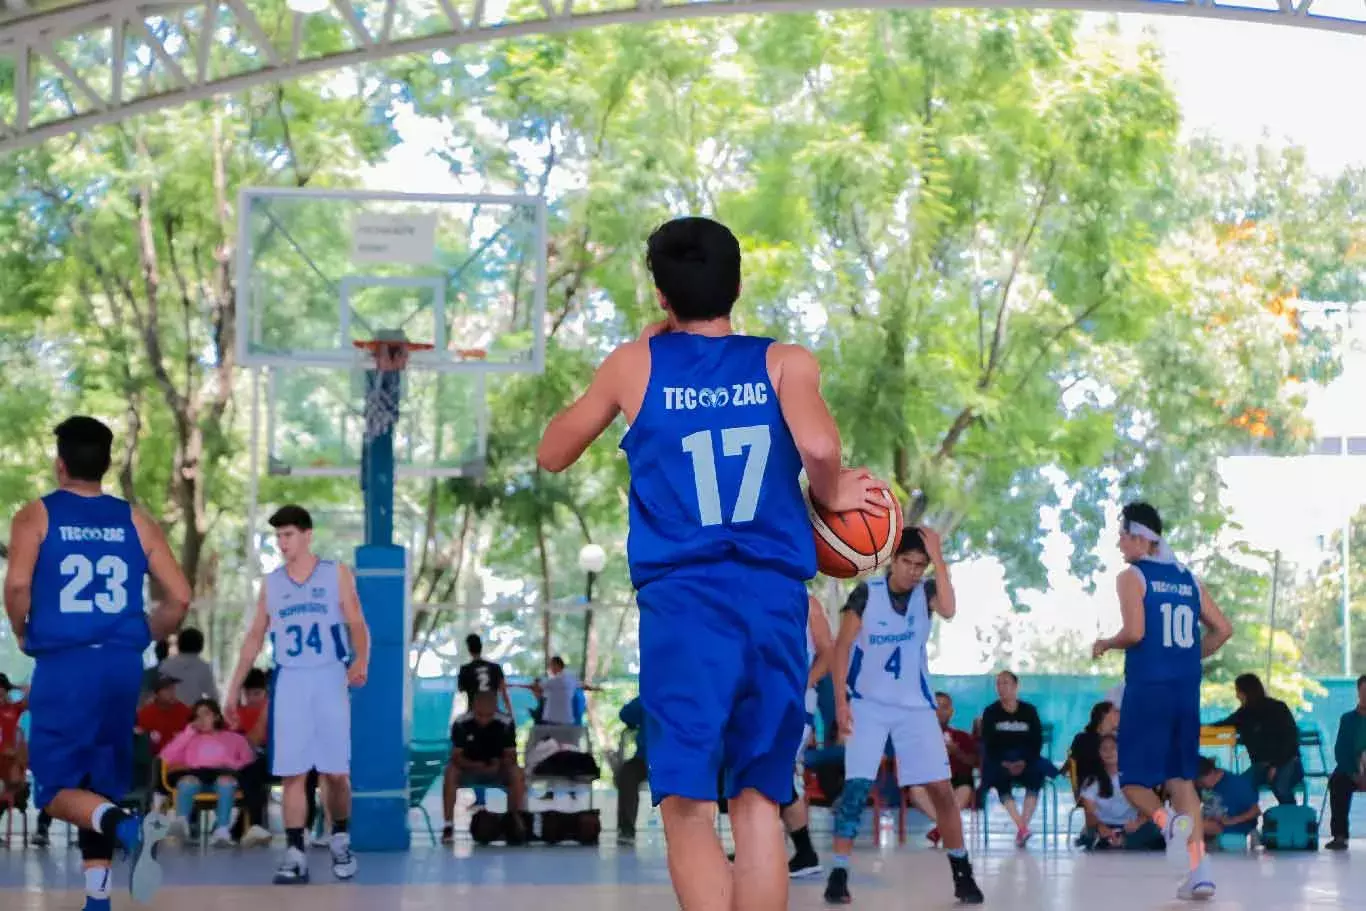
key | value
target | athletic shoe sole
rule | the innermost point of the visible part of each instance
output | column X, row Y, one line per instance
column 1201, row 891
column 300, row 880
column 806, row 872
column 145, row 879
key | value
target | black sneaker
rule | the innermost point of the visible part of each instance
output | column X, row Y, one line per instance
column 40, row 839
column 964, row 885
column 804, row 865
column 1337, row 844
column 837, row 887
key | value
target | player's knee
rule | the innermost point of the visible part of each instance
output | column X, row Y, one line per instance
column 849, row 809
column 95, row 846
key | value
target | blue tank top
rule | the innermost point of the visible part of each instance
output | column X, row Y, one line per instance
column 714, row 470
column 1170, row 649
column 88, row 582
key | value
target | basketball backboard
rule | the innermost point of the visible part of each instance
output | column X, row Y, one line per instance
column 321, row 269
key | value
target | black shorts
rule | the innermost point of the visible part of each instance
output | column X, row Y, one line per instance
column 962, row 781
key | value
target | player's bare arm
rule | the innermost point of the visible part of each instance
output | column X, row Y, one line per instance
column 252, row 643
column 1217, row 628
column 574, row 429
column 26, row 532
column 161, row 563
column 850, row 625
column 355, row 622
column 1130, row 587
column 822, row 639
column 945, row 602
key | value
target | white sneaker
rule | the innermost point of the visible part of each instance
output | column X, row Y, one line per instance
column 320, row 840
column 1197, row 886
column 1178, row 834
column 255, row 837
column 343, row 861
column 293, row 869
column 221, row 838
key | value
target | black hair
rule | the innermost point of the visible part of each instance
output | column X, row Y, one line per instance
column 696, row 266
column 940, row 693
column 85, row 446
column 1105, row 786
column 1011, row 674
column 1207, row 765
column 1098, row 713
column 1361, row 680
column 1142, row 513
column 911, row 540
column 190, row 641
column 162, row 650
column 474, row 645
column 219, row 722
column 256, row 679
column 557, row 660
column 294, row 515
column 1250, row 685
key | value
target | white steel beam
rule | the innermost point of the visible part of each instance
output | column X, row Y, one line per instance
column 224, row 61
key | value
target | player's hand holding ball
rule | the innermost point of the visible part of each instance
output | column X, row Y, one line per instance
column 356, row 674
column 858, row 530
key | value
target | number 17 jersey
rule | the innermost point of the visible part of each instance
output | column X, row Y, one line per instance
column 714, row 469
column 306, row 618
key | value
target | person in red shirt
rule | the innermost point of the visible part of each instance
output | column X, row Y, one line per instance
column 164, row 716
column 963, row 758
column 13, row 758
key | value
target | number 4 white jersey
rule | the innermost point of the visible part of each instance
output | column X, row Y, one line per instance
column 306, row 624
column 889, row 664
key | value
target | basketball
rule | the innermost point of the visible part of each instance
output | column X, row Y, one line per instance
column 852, row 544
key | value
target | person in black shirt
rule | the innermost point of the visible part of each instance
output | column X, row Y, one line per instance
column 1266, row 727
column 483, row 754
column 1012, row 746
column 479, row 676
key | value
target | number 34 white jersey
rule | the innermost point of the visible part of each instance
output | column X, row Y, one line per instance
column 306, row 624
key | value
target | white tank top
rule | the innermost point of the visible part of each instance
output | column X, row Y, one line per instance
column 889, row 664
column 306, row 626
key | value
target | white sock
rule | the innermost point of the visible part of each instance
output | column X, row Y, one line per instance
column 97, row 882
column 97, row 817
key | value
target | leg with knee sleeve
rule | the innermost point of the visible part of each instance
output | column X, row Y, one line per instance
column 97, row 854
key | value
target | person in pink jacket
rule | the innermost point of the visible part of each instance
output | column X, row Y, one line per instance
column 206, row 756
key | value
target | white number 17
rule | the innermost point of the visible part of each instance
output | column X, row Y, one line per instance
column 734, row 442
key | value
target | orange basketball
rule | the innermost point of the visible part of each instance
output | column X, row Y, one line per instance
column 854, row 543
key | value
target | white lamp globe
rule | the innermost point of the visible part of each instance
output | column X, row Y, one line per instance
column 592, row 558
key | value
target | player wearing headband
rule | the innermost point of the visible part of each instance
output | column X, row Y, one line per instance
column 1160, row 602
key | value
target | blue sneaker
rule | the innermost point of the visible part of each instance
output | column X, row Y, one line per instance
column 96, row 904
column 139, row 837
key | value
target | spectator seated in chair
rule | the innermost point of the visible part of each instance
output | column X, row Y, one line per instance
column 253, row 723
column 1266, row 728
column 13, row 753
column 206, row 757
column 1349, row 752
column 1012, row 738
column 1230, row 805
column 193, row 674
column 963, row 758
column 163, row 716
column 483, row 754
column 1111, row 821
column 1085, row 749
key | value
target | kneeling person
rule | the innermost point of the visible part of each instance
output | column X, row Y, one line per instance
column 883, row 691
column 484, row 754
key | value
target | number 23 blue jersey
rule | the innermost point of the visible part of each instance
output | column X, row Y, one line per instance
column 1170, row 649
column 89, row 578
column 714, row 470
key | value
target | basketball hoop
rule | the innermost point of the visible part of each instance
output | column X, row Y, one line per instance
column 382, row 386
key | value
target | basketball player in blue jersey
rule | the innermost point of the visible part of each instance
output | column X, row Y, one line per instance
column 882, row 691
column 78, row 562
column 720, row 548
column 308, row 606
column 1162, row 606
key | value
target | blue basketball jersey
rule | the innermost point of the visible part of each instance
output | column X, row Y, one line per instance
column 88, row 582
column 1170, row 649
column 713, row 466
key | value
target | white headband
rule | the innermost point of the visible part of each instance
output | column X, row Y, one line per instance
column 1139, row 530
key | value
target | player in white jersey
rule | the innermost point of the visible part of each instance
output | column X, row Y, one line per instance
column 820, row 646
column 882, row 690
column 304, row 606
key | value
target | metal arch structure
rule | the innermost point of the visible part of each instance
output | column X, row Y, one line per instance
column 71, row 67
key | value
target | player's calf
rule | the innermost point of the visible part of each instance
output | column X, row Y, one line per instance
column 945, row 803
column 702, row 877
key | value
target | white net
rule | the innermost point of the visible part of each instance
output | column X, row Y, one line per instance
column 384, row 390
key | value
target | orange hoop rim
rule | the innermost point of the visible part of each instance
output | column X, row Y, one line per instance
column 374, row 345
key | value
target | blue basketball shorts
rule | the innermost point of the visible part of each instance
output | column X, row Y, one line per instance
column 1159, row 732
column 83, row 707
column 723, row 671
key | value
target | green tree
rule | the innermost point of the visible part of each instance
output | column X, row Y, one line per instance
column 1316, row 605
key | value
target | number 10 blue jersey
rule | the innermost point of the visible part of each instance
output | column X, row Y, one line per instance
column 1170, row 649
column 714, row 470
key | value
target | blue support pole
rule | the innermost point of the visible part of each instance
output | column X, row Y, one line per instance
column 379, row 735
